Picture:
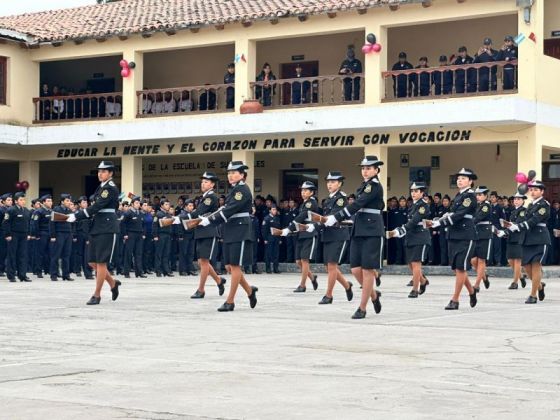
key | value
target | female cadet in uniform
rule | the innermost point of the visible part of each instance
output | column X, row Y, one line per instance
column 104, row 230
column 366, row 247
column 461, row 235
column 483, row 247
column 536, row 243
column 417, row 238
column 335, row 238
column 237, row 233
column 306, row 244
column 514, row 251
column 207, row 237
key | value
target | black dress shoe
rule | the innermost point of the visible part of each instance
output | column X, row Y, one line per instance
column 89, row 277
column 226, row 307
column 2, row 274
column 158, row 274
column 410, row 283
column 54, row 278
column 423, row 287
column 169, row 275
column 12, row 280
column 377, row 303
column 452, row 306
column 253, row 297
column 68, row 278
column 486, row 281
column 359, row 314
column 276, row 271
column 473, row 300
column 413, row 294
column 541, row 292
column 268, row 271
column 141, row 276
column 93, row 300
column 78, row 274
column 523, row 280
column 531, row 300
column 221, row 286
column 198, row 295
column 513, row 286
column 127, row 276
column 192, row 273
column 183, row 273
column 378, row 280
column 314, row 282
column 326, row 300
column 115, row 290
column 349, row 292
column 149, row 272
column 300, row 289
column 39, row 276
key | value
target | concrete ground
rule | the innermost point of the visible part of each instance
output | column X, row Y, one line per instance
column 156, row 354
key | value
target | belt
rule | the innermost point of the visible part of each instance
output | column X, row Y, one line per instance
column 236, row 215
column 107, row 211
column 484, row 223
column 371, row 211
column 541, row 224
column 468, row 216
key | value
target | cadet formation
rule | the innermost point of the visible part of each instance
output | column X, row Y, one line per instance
column 100, row 235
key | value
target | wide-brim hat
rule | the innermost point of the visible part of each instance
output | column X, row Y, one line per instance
column 468, row 173
column 308, row 185
column 519, row 195
column 370, row 160
column 237, row 165
column 106, row 164
column 334, row 176
column 536, row 184
column 211, row 176
column 481, row 190
column 418, row 186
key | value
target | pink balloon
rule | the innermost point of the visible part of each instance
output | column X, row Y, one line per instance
column 521, row 178
column 24, row 185
column 18, row 186
column 376, row 48
column 123, row 63
column 366, row 49
column 125, row 72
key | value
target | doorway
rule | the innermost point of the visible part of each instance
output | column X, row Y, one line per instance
column 308, row 69
column 292, row 180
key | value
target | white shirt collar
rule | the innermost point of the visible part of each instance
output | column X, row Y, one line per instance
column 463, row 190
column 208, row 193
column 537, row 200
column 106, row 182
column 331, row 195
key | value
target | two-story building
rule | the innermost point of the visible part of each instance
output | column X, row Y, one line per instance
column 66, row 101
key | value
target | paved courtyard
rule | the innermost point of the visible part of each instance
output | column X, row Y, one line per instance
column 156, row 354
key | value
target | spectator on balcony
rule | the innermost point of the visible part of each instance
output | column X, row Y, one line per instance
column 185, row 104
column 300, row 90
column 443, row 80
column 487, row 77
column 57, row 104
column 265, row 90
column 229, row 79
column 157, row 106
column 508, row 52
column 45, row 105
column 70, row 106
column 147, row 103
column 112, row 107
column 169, row 104
column 207, row 101
column 401, row 83
column 464, row 79
column 350, row 67
column 421, row 82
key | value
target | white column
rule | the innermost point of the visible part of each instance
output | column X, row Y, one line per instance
column 245, row 72
column 375, row 64
column 29, row 171
column 131, row 175
column 132, row 84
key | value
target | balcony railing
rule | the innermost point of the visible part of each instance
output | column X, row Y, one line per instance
column 310, row 91
column 99, row 106
column 494, row 78
column 186, row 100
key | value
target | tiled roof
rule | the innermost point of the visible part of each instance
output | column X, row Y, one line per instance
column 127, row 17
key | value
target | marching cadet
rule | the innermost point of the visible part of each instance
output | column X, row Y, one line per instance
column 82, row 241
column 6, row 202
column 536, row 242
column 61, row 241
column 335, row 238
column 235, row 217
column 289, row 216
column 514, row 249
column 461, row 235
column 417, row 238
column 366, row 246
column 42, row 218
column 32, row 255
column 484, row 232
column 186, row 243
column 132, row 228
column 16, row 232
column 207, row 237
column 497, row 214
column 104, row 230
column 148, row 250
column 443, row 245
column 271, row 242
column 508, row 52
column 162, row 239
column 306, row 245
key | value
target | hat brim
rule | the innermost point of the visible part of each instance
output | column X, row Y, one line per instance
column 376, row 163
column 472, row 177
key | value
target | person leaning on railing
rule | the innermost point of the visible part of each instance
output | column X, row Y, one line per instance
column 265, row 91
column 229, row 79
column 402, row 86
column 487, row 77
column 464, row 78
column 508, row 52
column 350, row 66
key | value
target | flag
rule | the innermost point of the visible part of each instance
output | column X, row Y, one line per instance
column 519, row 39
column 533, row 37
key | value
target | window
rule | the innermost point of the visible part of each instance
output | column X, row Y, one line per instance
column 3, row 79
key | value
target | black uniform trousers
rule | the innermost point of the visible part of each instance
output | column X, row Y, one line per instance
column 3, row 253
column 186, row 255
column 444, row 250
column 41, row 264
column 148, row 255
column 82, row 255
column 133, row 251
column 17, row 256
column 290, row 248
column 272, row 253
column 163, row 247
column 61, row 249
column 496, row 252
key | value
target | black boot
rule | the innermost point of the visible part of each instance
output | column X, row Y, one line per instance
column 253, row 297
column 221, row 286
column 115, row 290
column 349, row 292
column 314, row 282
column 377, row 303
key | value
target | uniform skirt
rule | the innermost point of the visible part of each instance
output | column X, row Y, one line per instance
column 514, row 251
column 238, row 253
column 483, row 249
column 206, row 248
column 333, row 252
column 306, row 248
column 416, row 253
column 366, row 252
column 102, row 248
column 460, row 254
column 534, row 253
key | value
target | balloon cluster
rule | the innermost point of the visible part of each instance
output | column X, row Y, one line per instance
column 126, row 67
column 524, row 181
column 22, row 185
column 371, row 45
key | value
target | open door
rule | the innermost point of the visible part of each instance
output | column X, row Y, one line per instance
column 288, row 71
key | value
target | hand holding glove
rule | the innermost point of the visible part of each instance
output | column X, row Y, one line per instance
column 310, row 228
column 71, row 218
column 204, row 221
column 331, row 220
column 513, row 228
column 285, row 232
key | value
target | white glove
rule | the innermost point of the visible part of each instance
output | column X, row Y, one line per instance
column 310, row 228
column 204, row 221
column 285, row 232
column 71, row 218
column 513, row 228
column 500, row 233
column 331, row 221
column 176, row 220
column 435, row 224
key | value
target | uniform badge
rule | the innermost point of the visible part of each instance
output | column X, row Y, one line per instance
column 422, row 210
column 6, row 216
column 467, row 202
column 208, row 201
column 238, row 195
column 308, row 204
column 542, row 211
column 367, row 189
column 36, row 217
column 155, row 218
column 522, row 214
column 104, row 193
column 485, row 209
column 112, row 184
column 340, row 202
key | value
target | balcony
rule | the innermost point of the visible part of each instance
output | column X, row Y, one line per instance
column 88, row 107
